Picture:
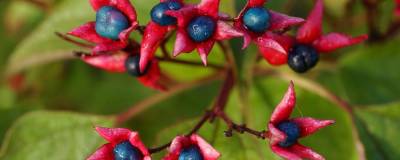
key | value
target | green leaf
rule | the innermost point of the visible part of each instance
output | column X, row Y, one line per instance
column 53, row 135
column 379, row 127
column 370, row 74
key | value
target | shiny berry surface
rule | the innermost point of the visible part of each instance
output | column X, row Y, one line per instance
column 110, row 22
column 257, row 19
column 125, row 151
column 302, row 58
column 190, row 153
column 292, row 132
column 158, row 13
column 201, row 28
column 132, row 66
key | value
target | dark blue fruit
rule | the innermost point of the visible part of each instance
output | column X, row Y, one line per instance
column 125, row 151
column 110, row 22
column 302, row 58
column 132, row 66
column 190, row 153
column 158, row 13
column 292, row 132
column 201, row 28
column 256, row 19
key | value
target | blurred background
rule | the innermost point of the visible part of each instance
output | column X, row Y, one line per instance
column 50, row 100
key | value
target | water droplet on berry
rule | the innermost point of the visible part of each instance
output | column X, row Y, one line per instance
column 126, row 151
column 201, row 28
column 110, row 22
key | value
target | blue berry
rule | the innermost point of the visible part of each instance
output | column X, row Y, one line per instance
column 191, row 153
column 158, row 13
column 292, row 132
column 201, row 28
column 257, row 19
column 125, row 151
column 302, row 58
column 132, row 66
column 110, row 22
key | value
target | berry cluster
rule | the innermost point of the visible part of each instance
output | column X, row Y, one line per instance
column 283, row 133
column 200, row 26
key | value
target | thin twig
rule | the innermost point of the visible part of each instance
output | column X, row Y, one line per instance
column 209, row 115
column 239, row 128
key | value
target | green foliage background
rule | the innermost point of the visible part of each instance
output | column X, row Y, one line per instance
column 61, row 99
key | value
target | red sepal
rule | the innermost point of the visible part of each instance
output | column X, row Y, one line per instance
column 255, row 3
column 115, row 136
column 274, row 48
column 312, row 28
column 183, row 43
column 306, row 126
column 88, row 32
column 105, row 152
column 332, row 41
column 285, row 107
column 397, row 8
column 152, row 77
column 108, row 62
column 309, row 126
column 281, row 21
column 180, row 142
column 152, row 37
column 116, row 63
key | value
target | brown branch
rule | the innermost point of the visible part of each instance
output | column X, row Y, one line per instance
column 209, row 115
column 239, row 128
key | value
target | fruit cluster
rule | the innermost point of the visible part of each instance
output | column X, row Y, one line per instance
column 283, row 133
column 200, row 26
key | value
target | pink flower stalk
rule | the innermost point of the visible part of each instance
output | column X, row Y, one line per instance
column 117, row 63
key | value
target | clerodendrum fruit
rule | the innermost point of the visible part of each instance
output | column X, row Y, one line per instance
column 126, row 151
column 256, row 19
column 201, row 28
column 110, row 22
column 158, row 12
column 302, row 58
column 292, row 132
column 132, row 66
column 191, row 153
